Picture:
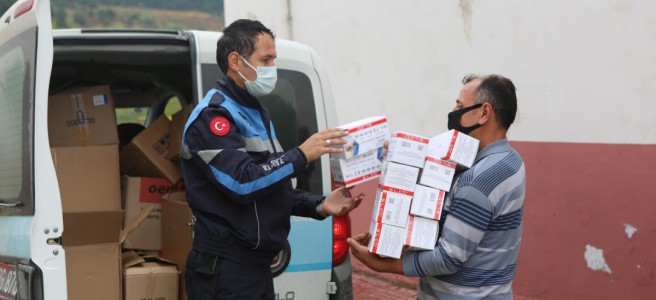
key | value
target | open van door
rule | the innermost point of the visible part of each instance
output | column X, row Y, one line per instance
column 32, row 262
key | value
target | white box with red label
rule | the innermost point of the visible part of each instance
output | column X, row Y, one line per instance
column 399, row 176
column 455, row 147
column 427, row 202
column 358, row 169
column 407, row 149
column 386, row 240
column 421, row 233
column 392, row 206
column 364, row 136
column 437, row 173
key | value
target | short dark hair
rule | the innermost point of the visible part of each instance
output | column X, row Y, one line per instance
column 499, row 91
column 239, row 36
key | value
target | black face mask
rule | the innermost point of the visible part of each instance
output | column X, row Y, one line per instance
column 456, row 115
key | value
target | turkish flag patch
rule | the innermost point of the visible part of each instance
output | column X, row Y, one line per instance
column 220, row 126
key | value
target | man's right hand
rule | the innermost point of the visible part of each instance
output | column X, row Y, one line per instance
column 319, row 143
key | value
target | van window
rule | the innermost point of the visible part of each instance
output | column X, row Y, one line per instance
column 291, row 106
column 16, row 99
column 135, row 115
column 172, row 106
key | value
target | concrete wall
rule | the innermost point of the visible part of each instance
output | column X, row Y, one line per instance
column 585, row 73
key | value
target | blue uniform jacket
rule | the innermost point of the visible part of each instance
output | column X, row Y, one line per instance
column 238, row 178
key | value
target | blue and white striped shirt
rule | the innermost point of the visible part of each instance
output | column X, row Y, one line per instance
column 476, row 255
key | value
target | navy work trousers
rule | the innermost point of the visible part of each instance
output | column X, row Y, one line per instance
column 226, row 279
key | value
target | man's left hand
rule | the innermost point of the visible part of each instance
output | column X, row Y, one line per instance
column 359, row 249
column 339, row 202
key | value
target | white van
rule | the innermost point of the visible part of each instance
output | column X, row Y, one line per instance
column 147, row 71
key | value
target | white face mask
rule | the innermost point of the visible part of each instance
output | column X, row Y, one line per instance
column 265, row 81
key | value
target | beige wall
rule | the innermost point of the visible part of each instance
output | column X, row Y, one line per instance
column 584, row 69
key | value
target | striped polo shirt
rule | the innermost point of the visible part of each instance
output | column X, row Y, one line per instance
column 476, row 254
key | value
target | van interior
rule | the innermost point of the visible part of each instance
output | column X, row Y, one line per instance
column 145, row 74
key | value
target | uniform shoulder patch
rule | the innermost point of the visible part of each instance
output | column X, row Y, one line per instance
column 220, row 126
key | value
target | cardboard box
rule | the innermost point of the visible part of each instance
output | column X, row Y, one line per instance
column 177, row 236
column 93, row 272
column 421, row 233
column 92, row 244
column 437, row 174
column 391, row 206
column 82, row 116
column 93, row 252
column 407, row 149
column 365, row 135
column 386, row 240
column 455, row 147
column 137, row 193
column 88, row 178
column 427, row 202
column 178, row 121
column 148, row 277
column 399, row 176
column 147, row 154
column 364, row 167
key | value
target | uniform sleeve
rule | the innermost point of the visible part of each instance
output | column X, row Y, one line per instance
column 464, row 228
column 305, row 204
column 218, row 149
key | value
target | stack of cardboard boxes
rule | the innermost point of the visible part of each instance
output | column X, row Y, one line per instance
column 98, row 206
column 84, row 148
column 417, row 172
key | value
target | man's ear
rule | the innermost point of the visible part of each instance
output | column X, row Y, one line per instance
column 234, row 61
column 488, row 113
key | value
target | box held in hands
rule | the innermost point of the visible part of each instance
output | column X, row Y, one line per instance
column 386, row 240
column 399, row 176
column 427, row 202
column 392, row 206
column 437, row 174
column 407, row 149
column 358, row 169
column 421, row 233
column 455, row 147
column 364, row 136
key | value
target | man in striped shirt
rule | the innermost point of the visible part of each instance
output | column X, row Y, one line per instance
column 476, row 254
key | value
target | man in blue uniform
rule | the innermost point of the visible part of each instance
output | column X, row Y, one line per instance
column 238, row 177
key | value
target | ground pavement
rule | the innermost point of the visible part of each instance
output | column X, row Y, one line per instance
column 368, row 284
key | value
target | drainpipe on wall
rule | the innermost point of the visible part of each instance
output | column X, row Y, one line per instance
column 290, row 20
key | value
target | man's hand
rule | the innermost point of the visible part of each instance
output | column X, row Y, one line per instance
column 359, row 249
column 319, row 143
column 339, row 202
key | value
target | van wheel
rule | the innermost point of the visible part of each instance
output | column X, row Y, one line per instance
column 281, row 261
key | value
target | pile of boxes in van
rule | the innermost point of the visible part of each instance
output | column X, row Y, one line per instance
column 413, row 178
column 106, row 214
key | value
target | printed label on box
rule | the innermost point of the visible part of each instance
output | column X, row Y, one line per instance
column 100, row 100
column 407, row 149
column 364, row 136
column 392, row 208
column 399, row 176
column 358, row 169
column 455, row 147
column 437, row 174
column 386, row 240
column 421, row 233
column 427, row 202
